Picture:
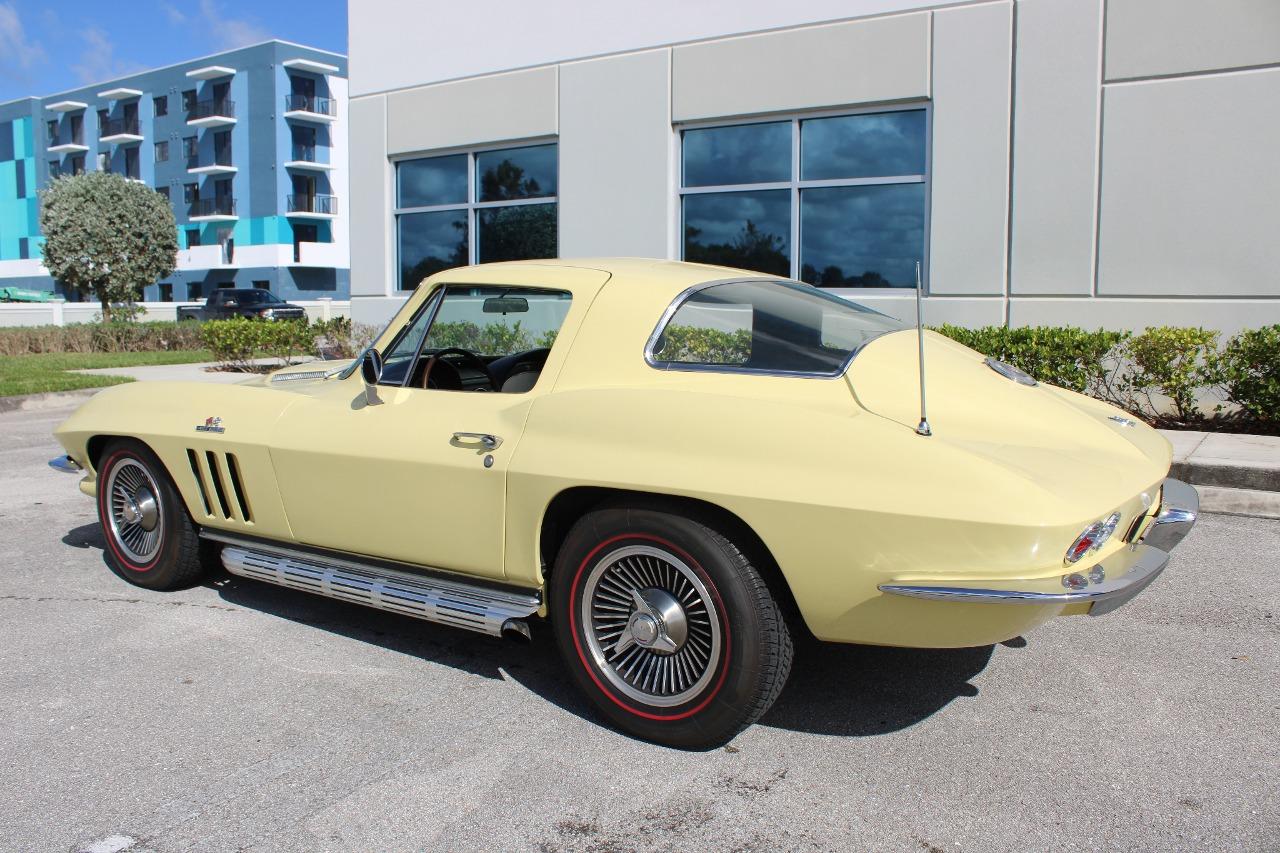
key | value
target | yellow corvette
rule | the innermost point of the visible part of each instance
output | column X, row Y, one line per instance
column 676, row 465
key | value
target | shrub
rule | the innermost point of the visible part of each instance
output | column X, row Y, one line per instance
column 1068, row 357
column 699, row 345
column 99, row 337
column 236, row 342
column 1173, row 362
column 1250, row 374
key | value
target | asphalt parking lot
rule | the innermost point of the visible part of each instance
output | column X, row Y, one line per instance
column 237, row 716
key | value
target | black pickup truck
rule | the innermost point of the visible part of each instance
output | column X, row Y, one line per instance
column 243, row 302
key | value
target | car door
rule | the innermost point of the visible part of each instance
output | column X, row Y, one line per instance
column 420, row 475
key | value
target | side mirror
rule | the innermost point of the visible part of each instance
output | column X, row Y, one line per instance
column 231, row 303
column 371, row 367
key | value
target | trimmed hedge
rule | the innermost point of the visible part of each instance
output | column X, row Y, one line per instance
column 1163, row 375
column 99, row 337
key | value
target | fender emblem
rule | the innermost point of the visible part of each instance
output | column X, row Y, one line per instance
column 211, row 425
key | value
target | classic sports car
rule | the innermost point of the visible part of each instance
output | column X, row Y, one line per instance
column 678, row 466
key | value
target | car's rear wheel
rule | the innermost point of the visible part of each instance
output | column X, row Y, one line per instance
column 150, row 540
column 667, row 626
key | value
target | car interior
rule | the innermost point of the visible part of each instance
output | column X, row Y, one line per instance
column 477, row 339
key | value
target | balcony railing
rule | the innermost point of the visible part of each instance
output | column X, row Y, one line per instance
column 304, row 153
column 120, row 127
column 323, row 204
column 212, row 207
column 310, row 104
column 224, row 108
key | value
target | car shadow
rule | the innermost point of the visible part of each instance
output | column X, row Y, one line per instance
column 842, row 690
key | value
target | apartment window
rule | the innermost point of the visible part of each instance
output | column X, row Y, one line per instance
column 162, row 151
column 52, row 126
column 55, row 169
column 190, row 193
column 104, row 161
column 77, row 129
column 194, row 291
column 103, row 116
column 24, row 248
column 77, row 164
column 836, row 201
column 189, row 99
column 166, row 292
column 132, row 166
column 164, row 191
column 161, row 105
column 191, row 151
column 193, row 237
column 20, row 178
column 481, row 206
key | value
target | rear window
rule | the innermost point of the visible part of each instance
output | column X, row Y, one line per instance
column 766, row 327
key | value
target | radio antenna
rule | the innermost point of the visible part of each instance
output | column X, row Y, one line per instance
column 923, row 427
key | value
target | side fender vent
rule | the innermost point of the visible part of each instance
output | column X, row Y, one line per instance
column 213, row 472
column 199, row 477
column 233, row 468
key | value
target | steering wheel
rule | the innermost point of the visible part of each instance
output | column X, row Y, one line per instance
column 453, row 382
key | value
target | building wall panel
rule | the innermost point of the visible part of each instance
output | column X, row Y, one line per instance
column 1190, row 182
column 1055, row 146
column 972, row 64
column 1161, row 37
column 858, row 62
column 371, row 200
column 616, row 156
column 472, row 112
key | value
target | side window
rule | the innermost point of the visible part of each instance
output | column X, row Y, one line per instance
column 494, row 322
column 400, row 356
column 766, row 327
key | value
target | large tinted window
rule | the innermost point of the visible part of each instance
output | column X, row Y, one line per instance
column 475, row 207
column 771, row 327
column 854, row 192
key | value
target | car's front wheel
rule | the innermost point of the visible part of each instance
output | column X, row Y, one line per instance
column 667, row 626
column 150, row 539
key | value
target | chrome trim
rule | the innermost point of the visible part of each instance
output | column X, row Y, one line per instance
column 1008, row 371
column 1150, row 563
column 684, row 295
column 484, row 439
column 65, row 464
column 447, row 602
column 1179, row 509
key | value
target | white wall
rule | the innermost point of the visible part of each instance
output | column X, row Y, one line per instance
column 388, row 51
column 62, row 313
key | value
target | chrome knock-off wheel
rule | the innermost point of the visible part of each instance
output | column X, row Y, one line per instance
column 651, row 625
column 136, row 520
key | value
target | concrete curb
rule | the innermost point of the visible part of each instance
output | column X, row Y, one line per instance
column 50, row 400
column 1250, row 502
column 1240, row 477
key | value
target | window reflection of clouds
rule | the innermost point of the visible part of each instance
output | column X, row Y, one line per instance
column 863, row 146
column 864, row 231
column 435, row 180
column 721, row 217
column 430, row 242
column 742, row 154
column 535, row 173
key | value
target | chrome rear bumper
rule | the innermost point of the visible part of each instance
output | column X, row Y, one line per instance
column 1142, row 563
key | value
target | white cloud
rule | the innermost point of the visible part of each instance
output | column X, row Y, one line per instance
column 175, row 15
column 98, row 61
column 19, row 53
column 228, row 32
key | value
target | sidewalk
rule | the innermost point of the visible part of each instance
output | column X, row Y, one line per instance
column 1234, row 472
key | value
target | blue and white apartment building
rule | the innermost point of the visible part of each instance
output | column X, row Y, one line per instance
column 249, row 146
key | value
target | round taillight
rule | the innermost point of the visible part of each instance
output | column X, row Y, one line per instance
column 1093, row 538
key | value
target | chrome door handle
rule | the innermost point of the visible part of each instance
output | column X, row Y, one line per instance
column 490, row 442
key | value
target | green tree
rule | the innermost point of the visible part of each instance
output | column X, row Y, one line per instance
column 106, row 236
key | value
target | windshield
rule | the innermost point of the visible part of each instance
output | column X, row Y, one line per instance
column 254, row 297
column 767, row 327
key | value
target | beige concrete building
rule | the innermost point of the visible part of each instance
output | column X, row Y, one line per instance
column 1092, row 162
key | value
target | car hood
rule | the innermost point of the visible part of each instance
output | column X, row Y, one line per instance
column 1061, row 441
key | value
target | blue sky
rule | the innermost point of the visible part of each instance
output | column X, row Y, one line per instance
column 48, row 47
